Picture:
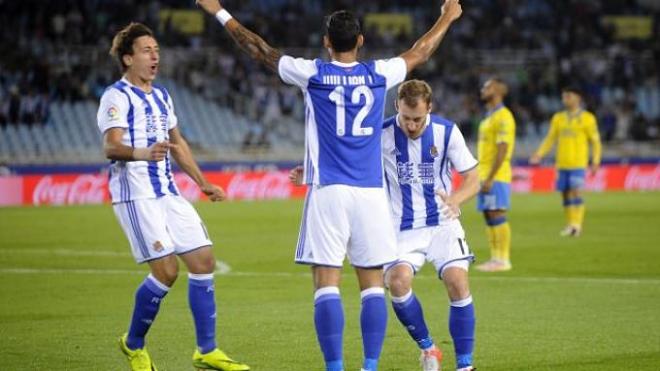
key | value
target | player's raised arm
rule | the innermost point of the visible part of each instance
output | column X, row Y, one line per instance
column 250, row 42
column 422, row 50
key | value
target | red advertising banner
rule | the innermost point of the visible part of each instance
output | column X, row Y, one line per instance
column 70, row 189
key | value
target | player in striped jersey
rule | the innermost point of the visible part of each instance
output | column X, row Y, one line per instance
column 140, row 133
column 346, row 211
column 419, row 152
column 574, row 129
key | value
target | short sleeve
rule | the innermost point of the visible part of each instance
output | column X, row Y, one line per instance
column 506, row 128
column 172, row 119
column 113, row 110
column 458, row 152
column 296, row 71
column 394, row 70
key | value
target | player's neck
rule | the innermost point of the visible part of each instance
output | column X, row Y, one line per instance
column 344, row 57
column 144, row 85
column 493, row 103
column 573, row 111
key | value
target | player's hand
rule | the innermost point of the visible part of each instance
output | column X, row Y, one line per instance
column 154, row 153
column 213, row 192
column 535, row 160
column 486, row 186
column 210, row 6
column 594, row 169
column 449, row 210
column 452, row 9
column 295, row 175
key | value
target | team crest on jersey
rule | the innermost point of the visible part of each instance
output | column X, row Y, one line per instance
column 158, row 246
column 113, row 113
column 434, row 151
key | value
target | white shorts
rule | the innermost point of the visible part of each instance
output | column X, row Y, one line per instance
column 158, row 227
column 340, row 220
column 444, row 246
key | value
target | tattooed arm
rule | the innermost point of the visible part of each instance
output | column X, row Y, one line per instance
column 247, row 40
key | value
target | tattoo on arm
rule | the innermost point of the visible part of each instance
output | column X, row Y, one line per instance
column 254, row 45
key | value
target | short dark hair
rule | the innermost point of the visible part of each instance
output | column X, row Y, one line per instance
column 572, row 89
column 122, row 43
column 343, row 29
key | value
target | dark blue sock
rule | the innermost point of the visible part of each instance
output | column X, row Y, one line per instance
column 373, row 320
column 329, row 322
column 461, row 328
column 409, row 312
column 201, row 297
column 147, row 302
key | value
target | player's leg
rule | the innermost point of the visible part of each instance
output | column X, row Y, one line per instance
column 373, row 245
column 329, row 315
column 409, row 311
column 193, row 246
column 499, row 234
column 373, row 315
column 461, row 312
column 146, row 230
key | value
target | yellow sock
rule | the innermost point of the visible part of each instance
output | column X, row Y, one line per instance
column 578, row 215
column 492, row 242
column 568, row 212
column 503, row 239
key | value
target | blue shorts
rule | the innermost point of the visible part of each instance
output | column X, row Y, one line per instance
column 570, row 179
column 499, row 198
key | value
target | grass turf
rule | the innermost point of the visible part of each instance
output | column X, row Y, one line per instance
column 591, row 303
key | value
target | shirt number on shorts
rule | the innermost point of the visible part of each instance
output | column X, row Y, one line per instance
column 337, row 97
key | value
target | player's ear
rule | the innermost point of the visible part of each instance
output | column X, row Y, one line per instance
column 396, row 105
column 127, row 59
column 430, row 108
column 326, row 42
column 360, row 41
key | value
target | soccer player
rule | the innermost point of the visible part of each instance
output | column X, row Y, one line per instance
column 573, row 130
column 419, row 151
column 497, row 134
column 346, row 210
column 140, row 136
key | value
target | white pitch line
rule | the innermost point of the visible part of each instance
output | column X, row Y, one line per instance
column 606, row 281
column 64, row 252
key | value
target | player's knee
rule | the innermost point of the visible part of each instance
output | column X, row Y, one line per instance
column 457, row 288
column 399, row 281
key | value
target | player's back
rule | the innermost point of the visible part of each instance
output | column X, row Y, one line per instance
column 344, row 113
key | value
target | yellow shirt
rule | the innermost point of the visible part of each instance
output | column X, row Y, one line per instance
column 497, row 127
column 573, row 135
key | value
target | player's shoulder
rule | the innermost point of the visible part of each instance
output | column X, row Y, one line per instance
column 441, row 121
column 505, row 112
column 161, row 89
column 558, row 115
column 389, row 122
column 589, row 115
column 115, row 92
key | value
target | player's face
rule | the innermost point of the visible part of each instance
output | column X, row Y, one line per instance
column 145, row 58
column 413, row 119
column 488, row 90
column 570, row 99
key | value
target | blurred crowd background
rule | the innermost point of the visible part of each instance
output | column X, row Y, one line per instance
column 56, row 51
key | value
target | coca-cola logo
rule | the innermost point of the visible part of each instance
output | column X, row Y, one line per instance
column 83, row 189
column 188, row 189
column 639, row 179
column 267, row 186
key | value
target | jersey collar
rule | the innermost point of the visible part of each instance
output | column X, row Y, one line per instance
column 341, row 64
column 495, row 109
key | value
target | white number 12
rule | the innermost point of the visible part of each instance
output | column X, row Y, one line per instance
column 337, row 97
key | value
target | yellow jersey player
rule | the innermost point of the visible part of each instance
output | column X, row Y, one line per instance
column 573, row 130
column 497, row 134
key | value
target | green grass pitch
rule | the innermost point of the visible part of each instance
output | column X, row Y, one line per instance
column 593, row 303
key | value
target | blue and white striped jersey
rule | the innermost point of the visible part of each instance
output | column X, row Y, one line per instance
column 147, row 118
column 416, row 168
column 344, row 112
